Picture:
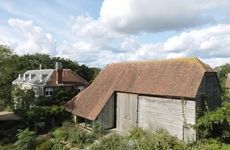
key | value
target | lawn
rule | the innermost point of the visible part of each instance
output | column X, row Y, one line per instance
column 226, row 147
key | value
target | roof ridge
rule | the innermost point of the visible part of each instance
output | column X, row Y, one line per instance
column 206, row 67
column 156, row 61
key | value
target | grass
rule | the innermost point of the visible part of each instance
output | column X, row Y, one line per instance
column 225, row 147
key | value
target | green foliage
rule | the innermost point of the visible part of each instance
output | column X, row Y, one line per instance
column 62, row 95
column 205, row 144
column 22, row 98
column 113, row 142
column 222, row 74
column 225, row 147
column 139, row 139
column 58, row 146
column 59, row 134
column 26, row 140
column 215, row 124
column 46, row 145
column 97, row 130
column 8, row 67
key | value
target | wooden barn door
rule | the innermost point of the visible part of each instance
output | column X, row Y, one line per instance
column 126, row 111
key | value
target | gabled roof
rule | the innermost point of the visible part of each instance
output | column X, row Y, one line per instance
column 227, row 83
column 174, row 77
column 69, row 78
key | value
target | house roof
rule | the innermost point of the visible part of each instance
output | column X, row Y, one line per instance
column 35, row 77
column 68, row 78
column 174, row 77
column 227, row 83
column 49, row 78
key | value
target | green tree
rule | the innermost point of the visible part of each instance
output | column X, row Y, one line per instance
column 215, row 124
column 8, row 73
column 22, row 98
column 26, row 140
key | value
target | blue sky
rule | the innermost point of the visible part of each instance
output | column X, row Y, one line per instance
column 99, row 32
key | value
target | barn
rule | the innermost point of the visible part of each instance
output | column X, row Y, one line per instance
column 152, row 95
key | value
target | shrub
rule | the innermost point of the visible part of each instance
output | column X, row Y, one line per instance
column 47, row 145
column 210, row 144
column 58, row 146
column 139, row 139
column 113, row 142
column 215, row 124
column 26, row 140
column 59, row 134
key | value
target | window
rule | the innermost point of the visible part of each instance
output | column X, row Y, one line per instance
column 48, row 92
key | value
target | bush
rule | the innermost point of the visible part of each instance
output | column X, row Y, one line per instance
column 59, row 134
column 112, row 142
column 139, row 139
column 58, row 146
column 215, row 124
column 210, row 144
column 47, row 145
column 26, row 140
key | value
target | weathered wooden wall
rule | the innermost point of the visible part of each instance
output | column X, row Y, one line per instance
column 174, row 115
column 126, row 111
column 106, row 118
column 210, row 90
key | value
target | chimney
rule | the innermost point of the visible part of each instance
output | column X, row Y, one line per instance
column 59, row 70
column 24, row 77
column 40, row 66
column 30, row 76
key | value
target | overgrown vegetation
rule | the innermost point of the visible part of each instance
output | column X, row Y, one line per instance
column 26, row 140
column 139, row 139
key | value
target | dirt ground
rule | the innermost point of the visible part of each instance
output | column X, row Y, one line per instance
column 5, row 115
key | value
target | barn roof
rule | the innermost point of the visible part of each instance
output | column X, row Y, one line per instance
column 227, row 83
column 174, row 77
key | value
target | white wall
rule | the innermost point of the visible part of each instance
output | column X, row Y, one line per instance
column 174, row 115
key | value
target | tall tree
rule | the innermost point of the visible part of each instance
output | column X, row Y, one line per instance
column 8, row 73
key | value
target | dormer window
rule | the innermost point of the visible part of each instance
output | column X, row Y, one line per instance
column 42, row 77
column 48, row 92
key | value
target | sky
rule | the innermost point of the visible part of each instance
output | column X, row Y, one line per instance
column 99, row 32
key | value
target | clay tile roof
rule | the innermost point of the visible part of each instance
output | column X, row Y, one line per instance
column 68, row 78
column 227, row 83
column 174, row 77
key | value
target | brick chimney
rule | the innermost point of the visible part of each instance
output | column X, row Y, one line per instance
column 59, row 70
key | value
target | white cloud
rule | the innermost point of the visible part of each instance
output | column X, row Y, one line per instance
column 130, row 43
column 211, row 44
column 8, row 42
column 87, row 27
column 34, row 38
column 132, row 16
column 207, row 43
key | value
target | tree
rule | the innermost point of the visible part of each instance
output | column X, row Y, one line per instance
column 8, row 73
column 22, row 98
column 215, row 124
column 26, row 140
